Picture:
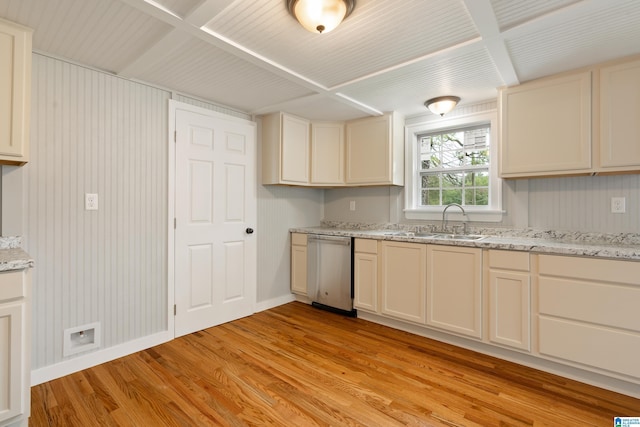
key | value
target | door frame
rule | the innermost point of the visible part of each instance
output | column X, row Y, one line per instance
column 174, row 106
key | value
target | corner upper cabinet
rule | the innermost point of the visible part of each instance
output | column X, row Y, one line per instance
column 327, row 154
column 285, row 149
column 619, row 113
column 15, row 92
column 546, row 127
column 375, row 150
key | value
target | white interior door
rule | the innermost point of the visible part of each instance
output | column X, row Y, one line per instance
column 215, row 211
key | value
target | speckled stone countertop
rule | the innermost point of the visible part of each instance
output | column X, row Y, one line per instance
column 616, row 246
column 12, row 257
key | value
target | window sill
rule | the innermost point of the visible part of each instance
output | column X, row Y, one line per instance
column 473, row 215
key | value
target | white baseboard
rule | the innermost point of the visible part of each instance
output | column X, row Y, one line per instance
column 70, row 366
column 274, row 302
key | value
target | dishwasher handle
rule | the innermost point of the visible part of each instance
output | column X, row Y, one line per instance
column 338, row 239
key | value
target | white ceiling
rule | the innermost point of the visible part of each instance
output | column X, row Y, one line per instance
column 251, row 55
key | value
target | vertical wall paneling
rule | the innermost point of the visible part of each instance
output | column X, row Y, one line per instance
column 95, row 133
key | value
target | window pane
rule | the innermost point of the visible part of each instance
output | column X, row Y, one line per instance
column 431, row 197
column 459, row 149
column 452, row 179
column 452, row 196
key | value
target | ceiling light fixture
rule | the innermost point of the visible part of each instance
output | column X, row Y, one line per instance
column 320, row 16
column 442, row 104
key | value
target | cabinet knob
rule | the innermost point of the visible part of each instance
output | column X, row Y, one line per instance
column 249, row 230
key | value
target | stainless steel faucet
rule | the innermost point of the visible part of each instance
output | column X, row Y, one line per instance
column 444, row 218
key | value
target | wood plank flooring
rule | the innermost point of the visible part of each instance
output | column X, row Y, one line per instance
column 297, row 366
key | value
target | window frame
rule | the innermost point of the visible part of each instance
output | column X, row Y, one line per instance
column 413, row 210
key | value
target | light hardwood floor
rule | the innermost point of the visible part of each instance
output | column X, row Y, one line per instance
column 298, row 366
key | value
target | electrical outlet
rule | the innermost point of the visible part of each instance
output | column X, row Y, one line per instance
column 618, row 205
column 352, row 205
column 90, row 202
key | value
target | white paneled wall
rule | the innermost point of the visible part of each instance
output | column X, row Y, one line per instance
column 95, row 133
column 584, row 203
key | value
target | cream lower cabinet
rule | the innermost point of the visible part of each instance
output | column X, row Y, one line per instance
column 15, row 347
column 299, row 263
column 403, row 280
column 15, row 92
column 454, row 289
column 588, row 313
column 365, row 275
column 509, row 303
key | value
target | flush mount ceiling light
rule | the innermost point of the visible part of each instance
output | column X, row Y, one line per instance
column 442, row 104
column 320, row 16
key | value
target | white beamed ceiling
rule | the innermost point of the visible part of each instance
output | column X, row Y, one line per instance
column 251, row 55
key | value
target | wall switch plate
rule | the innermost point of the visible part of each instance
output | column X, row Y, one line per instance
column 618, row 205
column 91, row 202
column 352, row 205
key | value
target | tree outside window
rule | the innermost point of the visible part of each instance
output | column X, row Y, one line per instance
column 454, row 167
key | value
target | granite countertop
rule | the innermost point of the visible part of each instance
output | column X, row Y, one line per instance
column 625, row 246
column 12, row 257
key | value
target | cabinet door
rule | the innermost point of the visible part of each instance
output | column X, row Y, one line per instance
column 295, row 150
column 299, row 269
column 509, row 309
column 15, row 92
column 403, row 281
column 546, row 127
column 454, row 289
column 369, row 150
column 11, row 362
column 365, row 281
column 619, row 113
column 327, row 153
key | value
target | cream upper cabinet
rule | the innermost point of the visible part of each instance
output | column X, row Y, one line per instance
column 375, row 150
column 299, row 264
column 546, row 127
column 327, row 154
column 620, row 116
column 454, row 289
column 365, row 275
column 15, row 347
column 509, row 302
column 285, row 149
column 403, row 280
column 15, row 92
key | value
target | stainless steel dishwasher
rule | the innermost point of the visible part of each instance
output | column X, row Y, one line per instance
column 329, row 260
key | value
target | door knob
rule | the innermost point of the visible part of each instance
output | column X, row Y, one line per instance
column 249, row 230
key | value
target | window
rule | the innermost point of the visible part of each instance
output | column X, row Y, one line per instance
column 451, row 161
column 454, row 167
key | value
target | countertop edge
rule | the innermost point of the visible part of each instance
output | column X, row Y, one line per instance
column 533, row 245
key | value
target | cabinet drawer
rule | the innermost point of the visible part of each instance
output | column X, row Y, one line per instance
column 602, row 304
column 366, row 245
column 600, row 347
column 299, row 239
column 604, row 270
column 12, row 285
column 509, row 260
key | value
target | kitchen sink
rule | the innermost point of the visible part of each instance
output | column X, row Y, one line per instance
column 458, row 236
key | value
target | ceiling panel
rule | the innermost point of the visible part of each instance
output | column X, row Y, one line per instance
column 178, row 7
column 379, row 34
column 510, row 13
column 205, row 71
column 472, row 77
column 105, row 34
column 609, row 33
